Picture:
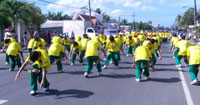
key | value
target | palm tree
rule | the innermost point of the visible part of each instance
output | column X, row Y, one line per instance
column 13, row 9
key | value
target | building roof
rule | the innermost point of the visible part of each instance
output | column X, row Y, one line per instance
column 94, row 20
column 52, row 24
column 111, row 21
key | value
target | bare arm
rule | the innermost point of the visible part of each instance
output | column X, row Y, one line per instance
column 44, row 72
column 20, row 70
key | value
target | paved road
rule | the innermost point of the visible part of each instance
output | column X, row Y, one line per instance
column 116, row 87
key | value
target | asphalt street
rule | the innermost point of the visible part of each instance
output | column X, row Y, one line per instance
column 116, row 87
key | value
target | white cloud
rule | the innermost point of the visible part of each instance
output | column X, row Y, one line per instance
column 132, row 4
column 148, row 8
column 117, row 12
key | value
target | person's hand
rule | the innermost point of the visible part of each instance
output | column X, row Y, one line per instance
column 17, row 76
column 133, row 66
column 153, row 69
column 42, row 84
column 160, row 57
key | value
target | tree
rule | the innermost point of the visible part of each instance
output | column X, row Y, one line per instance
column 124, row 22
column 105, row 17
column 13, row 9
column 187, row 19
column 58, row 16
column 98, row 10
column 34, row 19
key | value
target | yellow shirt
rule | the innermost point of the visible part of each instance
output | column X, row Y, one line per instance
column 136, row 40
column 84, row 42
column 141, row 38
column 142, row 53
column 56, row 39
column 130, row 42
column 40, row 44
column 11, row 40
column 31, row 43
column 183, row 45
column 43, row 60
column 77, row 48
column 146, row 44
column 92, row 48
column 113, row 47
column 102, row 38
column 13, row 49
column 55, row 49
column 194, row 53
column 66, row 41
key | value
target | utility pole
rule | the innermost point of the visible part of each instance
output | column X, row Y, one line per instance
column 90, row 11
column 195, row 13
column 133, row 22
column 119, row 21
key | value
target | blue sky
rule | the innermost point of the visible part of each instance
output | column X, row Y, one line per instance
column 161, row 12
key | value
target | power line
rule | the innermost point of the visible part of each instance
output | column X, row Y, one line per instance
column 59, row 4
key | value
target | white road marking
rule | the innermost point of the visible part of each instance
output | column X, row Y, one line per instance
column 185, row 88
column 3, row 101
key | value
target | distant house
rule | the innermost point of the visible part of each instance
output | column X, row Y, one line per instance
column 111, row 24
column 96, row 24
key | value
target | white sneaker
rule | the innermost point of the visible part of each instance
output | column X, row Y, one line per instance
column 11, row 69
column 72, row 64
column 173, row 57
column 46, row 89
column 146, row 78
column 179, row 68
column 105, row 67
column 7, row 63
column 100, row 74
column 111, row 62
column 194, row 82
column 127, row 55
column 86, row 75
column 178, row 65
column 137, row 80
column 32, row 92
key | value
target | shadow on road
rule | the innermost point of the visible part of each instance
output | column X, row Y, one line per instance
column 66, row 93
column 165, row 80
column 69, row 72
column 166, row 64
column 174, row 70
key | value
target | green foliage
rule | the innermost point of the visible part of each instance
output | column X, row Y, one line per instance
column 57, row 16
column 142, row 26
column 198, row 30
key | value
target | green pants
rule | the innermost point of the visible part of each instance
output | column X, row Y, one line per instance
column 154, row 60
column 58, row 61
column 13, row 61
column 194, row 70
column 114, row 56
column 175, row 52
column 68, row 48
column 178, row 59
column 129, row 50
column 81, row 56
column 30, row 50
column 140, row 65
column 171, row 47
column 37, row 76
column 90, row 61
column 7, row 58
